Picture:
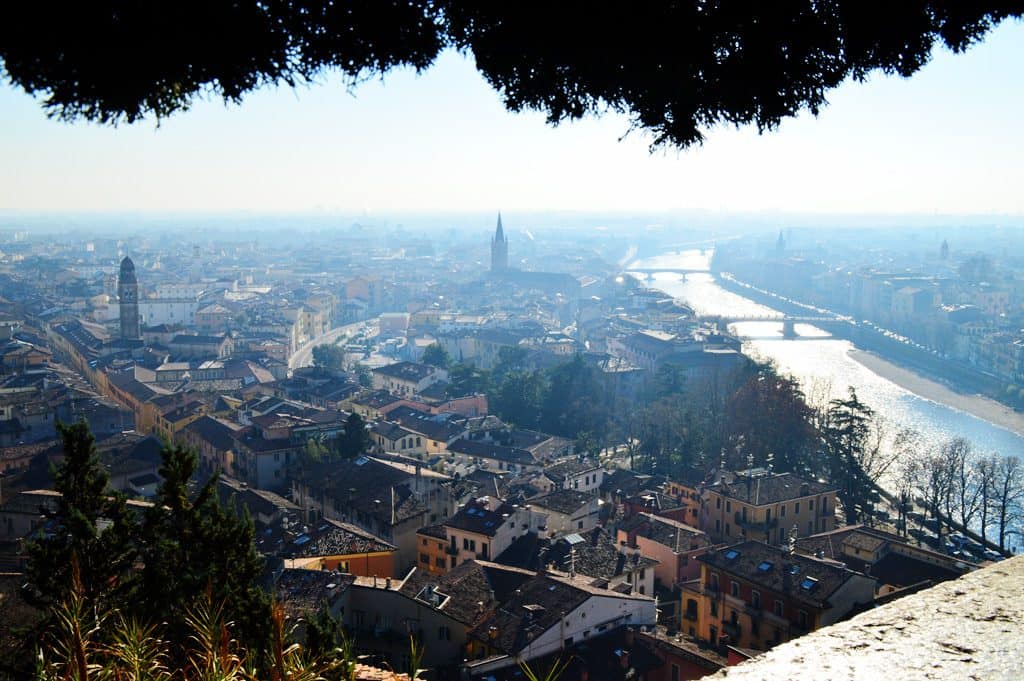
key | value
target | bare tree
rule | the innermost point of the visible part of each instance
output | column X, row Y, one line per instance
column 906, row 448
column 931, row 481
column 1009, row 493
column 968, row 484
column 985, row 473
column 952, row 462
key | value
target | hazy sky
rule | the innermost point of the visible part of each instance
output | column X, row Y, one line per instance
column 948, row 140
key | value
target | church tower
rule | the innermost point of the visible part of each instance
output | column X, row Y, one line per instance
column 499, row 249
column 128, row 293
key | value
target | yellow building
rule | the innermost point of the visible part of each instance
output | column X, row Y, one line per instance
column 763, row 506
column 752, row 595
column 432, row 542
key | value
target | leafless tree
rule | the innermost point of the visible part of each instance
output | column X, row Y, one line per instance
column 1008, row 497
column 968, row 484
column 906, row 448
column 952, row 463
column 931, row 478
column 985, row 473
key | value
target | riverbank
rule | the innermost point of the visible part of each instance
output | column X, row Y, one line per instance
column 982, row 407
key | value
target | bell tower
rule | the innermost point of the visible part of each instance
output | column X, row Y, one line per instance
column 128, row 295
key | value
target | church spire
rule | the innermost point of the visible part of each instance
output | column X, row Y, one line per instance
column 499, row 249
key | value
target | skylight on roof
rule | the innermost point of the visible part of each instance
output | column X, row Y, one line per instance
column 362, row 460
column 765, row 566
column 808, row 583
column 732, row 554
column 574, row 539
column 794, row 569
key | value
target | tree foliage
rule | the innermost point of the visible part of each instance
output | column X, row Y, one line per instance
column 91, row 527
column 192, row 545
column 183, row 548
column 847, row 436
column 354, row 439
column 329, row 357
column 677, row 69
column 435, row 355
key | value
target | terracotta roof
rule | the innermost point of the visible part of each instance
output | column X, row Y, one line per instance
column 770, row 489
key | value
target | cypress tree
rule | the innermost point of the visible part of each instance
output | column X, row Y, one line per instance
column 90, row 522
column 192, row 546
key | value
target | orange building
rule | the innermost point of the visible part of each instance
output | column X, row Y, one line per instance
column 432, row 543
column 690, row 498
column 333, row 545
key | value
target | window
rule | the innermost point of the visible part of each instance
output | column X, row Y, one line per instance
column 778, row 607
column 579, row 525
column 643, row 573
column 718, row 525
column 425, row 559
column 418, row 442
column 439, row 561
column 718, row 502
column 675, row 672
column 728, row 530
column 424, row 542
column 728, row 506
column 444, row 633
column 796, row 508
column 810, row 527
column 810, row 504
column 735, row 588
column 782, row 511
column 714, row 581
column 641, row 589
column 802, row 617
column 714, row 608
column 755, row 599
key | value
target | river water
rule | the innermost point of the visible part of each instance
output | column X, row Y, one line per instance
column 823, row 365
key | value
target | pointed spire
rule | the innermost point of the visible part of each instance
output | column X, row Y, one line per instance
column 499, row 234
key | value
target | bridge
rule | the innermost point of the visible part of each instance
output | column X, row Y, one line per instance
column 788, row 322
column 649, row 272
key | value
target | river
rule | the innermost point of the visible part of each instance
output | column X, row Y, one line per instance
column 823, row 365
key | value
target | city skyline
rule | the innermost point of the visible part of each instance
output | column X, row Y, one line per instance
column 942, row 142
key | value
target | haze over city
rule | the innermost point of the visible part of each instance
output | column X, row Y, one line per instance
column 402, row 383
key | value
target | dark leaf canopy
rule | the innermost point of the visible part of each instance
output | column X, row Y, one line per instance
column 676, row 68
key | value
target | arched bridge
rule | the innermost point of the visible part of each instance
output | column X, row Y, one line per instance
column 649, row 272
column 788, row 322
